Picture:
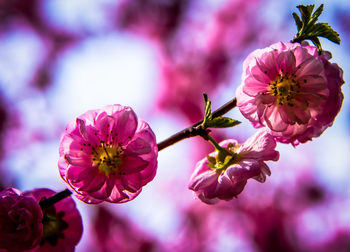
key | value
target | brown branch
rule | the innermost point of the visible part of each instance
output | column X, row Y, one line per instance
column 196, row 129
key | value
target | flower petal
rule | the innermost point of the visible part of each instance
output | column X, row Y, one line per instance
column 274, row 119
column 285, row 62
column 132, row 164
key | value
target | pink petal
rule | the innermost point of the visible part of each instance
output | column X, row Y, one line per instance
column 125, row 126
column 77, row 174
column 313, row 84
column 259, row 75
column 203, row 180
column 252, row 86
column 103, row 191
column 82, row 129
column 81, row 161
column 260, row 146
column 138, row 146
column 287, row 114
column 301, row 54
column 132, row 182
column 311, row 66
column 87, row 199
column 204, row 198
column 267, row 64
column 62, row 167
column 274, row 120
column 150, row 171
column 95, row 185
column 301, row 113
column 117, row 195
column 132, row 164
column 285, row 62
column 248, row 107
column 311, row 101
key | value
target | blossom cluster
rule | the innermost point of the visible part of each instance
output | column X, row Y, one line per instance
column 290, row 91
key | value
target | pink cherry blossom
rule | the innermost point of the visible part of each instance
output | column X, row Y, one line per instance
column 62, row 223
column 212, row 183
column 292, row 90
column 108, row 154
column 20, row 221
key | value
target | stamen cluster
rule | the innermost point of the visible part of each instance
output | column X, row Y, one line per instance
column 285, row 88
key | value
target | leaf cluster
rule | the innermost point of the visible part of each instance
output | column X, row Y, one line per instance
column 216, row 122
column 308, row 28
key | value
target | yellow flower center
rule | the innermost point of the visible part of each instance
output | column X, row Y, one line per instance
column 108, row 158
column 285, row 89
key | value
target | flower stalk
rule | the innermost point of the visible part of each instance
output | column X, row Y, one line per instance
column 54, row 199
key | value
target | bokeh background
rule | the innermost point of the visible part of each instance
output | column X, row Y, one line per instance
column 59, row 58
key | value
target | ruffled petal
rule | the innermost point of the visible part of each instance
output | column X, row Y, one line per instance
column 125, row 125
column 285, row 62
column 138, row 146
column 203, row 180
column 260, row 146
column 311, row 66
column 252, row 86
column 267, row 64
column 274, row 119
column 132, row 182
column 249, row 108
column 313, row 84
column 132, row 164
column 301, row 112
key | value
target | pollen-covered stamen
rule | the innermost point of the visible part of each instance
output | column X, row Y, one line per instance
column 108, row 158
column 285, row 89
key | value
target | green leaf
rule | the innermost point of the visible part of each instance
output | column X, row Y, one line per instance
column 324, row 30
column 306, row 12
column 221, row 158
column 211, row 160
column 207, row 113
column 297, row 21
column 315, row 15
column 221, row 122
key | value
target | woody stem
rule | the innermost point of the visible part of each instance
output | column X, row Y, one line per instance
column 196, row 129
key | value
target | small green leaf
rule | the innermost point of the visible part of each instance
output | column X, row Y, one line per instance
column 315, row 15
column 221, row 122
column 207, row 112
column 306, row 12
column 297, row 21
column 221, row 158
column 324, row 30
column 211, row 160
column 212, row 166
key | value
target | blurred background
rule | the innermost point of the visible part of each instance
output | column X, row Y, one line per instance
column 60, row 58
